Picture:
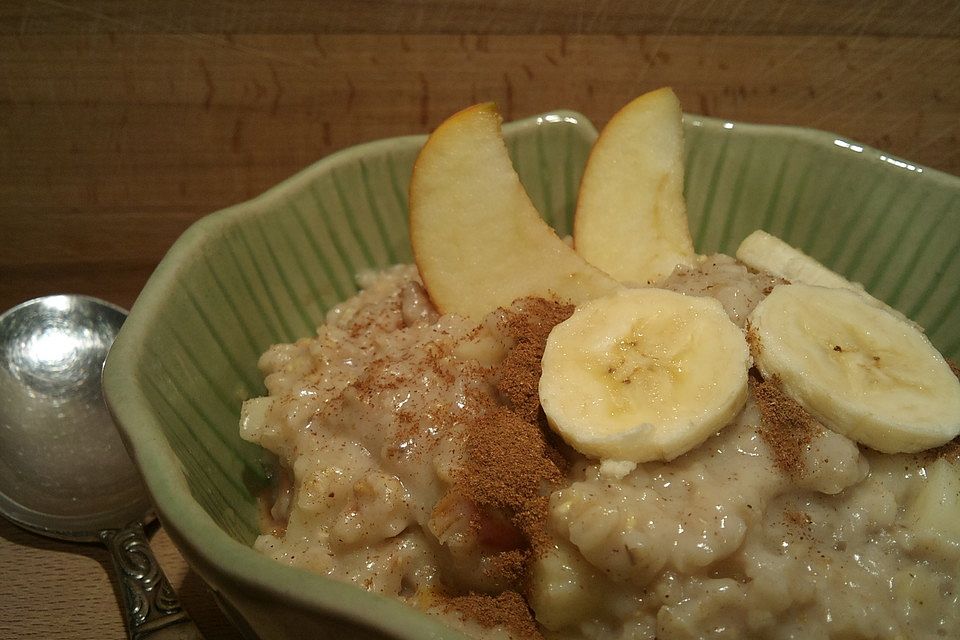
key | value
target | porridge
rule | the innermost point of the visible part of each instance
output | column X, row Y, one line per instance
column 615, row 439
column 415, row 461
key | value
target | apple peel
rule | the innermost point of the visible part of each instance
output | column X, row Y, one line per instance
column 478, row 241
column 631, row 216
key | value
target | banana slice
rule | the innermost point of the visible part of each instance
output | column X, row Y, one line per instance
column 859, row 369
column 769, row 253
column 643, row 374
column 765, row 252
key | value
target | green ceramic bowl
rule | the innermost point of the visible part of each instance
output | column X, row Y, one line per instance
column 266, row 270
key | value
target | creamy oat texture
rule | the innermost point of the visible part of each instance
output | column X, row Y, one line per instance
column 773, row 528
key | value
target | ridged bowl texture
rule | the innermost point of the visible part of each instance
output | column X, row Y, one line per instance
column 265, row 271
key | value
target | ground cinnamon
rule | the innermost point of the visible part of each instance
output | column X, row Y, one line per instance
column 506, row 463
column 785, row 426
column 508, row 610
column 511, row 465
column 517, row 377
column 948, row 451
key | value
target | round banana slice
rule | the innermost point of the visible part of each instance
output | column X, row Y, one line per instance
column 643, row 374
column 857, row 368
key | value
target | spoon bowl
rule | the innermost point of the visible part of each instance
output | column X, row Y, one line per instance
column 63, row 468
column 64, row 471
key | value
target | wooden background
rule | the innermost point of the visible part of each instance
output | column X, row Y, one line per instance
column 121, row 123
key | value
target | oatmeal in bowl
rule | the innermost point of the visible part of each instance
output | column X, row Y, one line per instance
column 619, row 438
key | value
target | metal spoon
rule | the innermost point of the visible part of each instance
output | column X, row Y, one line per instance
column 64, row 472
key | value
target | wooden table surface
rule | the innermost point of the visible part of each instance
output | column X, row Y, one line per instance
column 121, row 123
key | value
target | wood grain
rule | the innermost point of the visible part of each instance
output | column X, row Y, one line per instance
column 53, row 589
column 113, row 144
column 121, row 123
column 744, row 17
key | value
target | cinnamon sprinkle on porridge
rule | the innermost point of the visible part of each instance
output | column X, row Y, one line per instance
column 415, row 461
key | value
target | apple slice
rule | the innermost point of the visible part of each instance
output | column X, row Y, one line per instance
column 478, row 241
column 631, row 218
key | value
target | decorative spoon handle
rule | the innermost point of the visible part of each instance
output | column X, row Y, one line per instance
column 151, row 606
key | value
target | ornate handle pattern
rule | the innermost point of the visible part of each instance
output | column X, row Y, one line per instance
column 150, row 602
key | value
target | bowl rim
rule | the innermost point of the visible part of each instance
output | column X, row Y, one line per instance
column 190, row 526
column 826, row 140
